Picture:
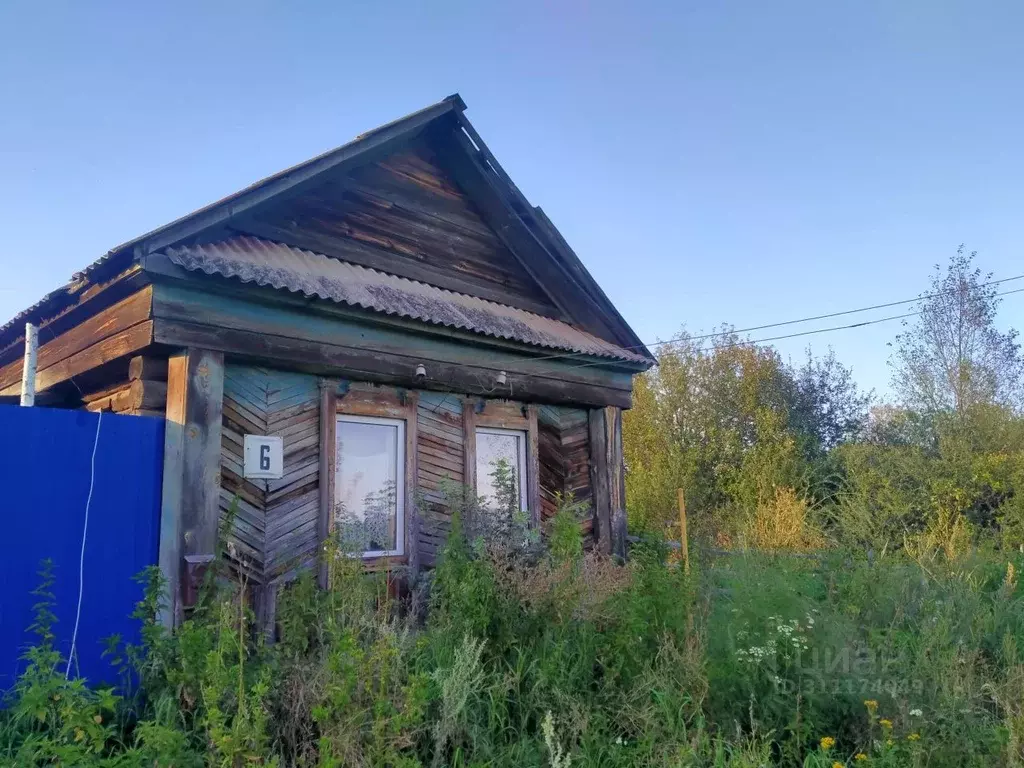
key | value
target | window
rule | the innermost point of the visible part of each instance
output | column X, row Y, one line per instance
column 492, row 447
column 369, row 485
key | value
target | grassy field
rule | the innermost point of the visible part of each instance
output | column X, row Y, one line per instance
column 531, row 657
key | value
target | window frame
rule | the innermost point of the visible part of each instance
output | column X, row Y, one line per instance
column 400, row 477
column 523, row 437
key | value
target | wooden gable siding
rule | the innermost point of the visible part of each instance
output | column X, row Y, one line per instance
column 564, row 452
column 403, row 215
column 274, row 529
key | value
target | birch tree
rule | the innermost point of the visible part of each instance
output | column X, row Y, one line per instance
column 951, row 356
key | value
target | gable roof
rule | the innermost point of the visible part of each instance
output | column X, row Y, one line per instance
column 284, row 267
column 527, row 231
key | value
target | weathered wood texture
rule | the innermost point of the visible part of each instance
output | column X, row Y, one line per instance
column 192, row 442
column 89, row 299
column 114, row 332
column 278, row 530
column 404, row 215
column 608, row 478
column 275, row 524
column 138, row 397
column 533, row 465
column 328, row 456
column 442, row 468
column 332, row 342
column 564, row 453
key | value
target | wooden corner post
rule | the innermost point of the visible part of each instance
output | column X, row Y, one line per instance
column 328, row 454
column 608, row 480
column 189, row 515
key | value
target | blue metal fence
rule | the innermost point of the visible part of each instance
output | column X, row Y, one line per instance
column 45, row 457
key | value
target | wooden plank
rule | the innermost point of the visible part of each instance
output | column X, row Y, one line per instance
column 483, row 188
column 136, row 395
column 247, row 307
column 201, row 466
column 103, row 399
column 109, row 322
column 171, row 493
column 190, row 510
column 111, row 348
column 306, row 514
column 616, row 481
column 383, row 403
column 538, row 224
column 144, row 367
column 379, row 353
column 70, row 311
column 469, row 416
column 328, row 454
column 371, row 147
column 438, row 458
column 413, row 522
column 599, row 479
column 533, row 466
column 373, row 257
column 444, row 435
column 503, row 414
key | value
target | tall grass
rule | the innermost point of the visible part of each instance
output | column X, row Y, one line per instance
column 551, row 656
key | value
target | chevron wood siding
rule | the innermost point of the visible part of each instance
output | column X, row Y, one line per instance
column 564, row 449
column 274, row 530
column 441, row 452
column 275, row 524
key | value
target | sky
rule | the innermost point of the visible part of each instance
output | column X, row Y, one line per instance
column 711, row 162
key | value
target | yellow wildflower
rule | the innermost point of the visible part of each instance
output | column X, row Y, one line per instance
column 872, row 706
column 888, row 742
column 837, row 764
column 914, row 737
column 79, row 734
column 860, row 756
column 827, row 743
column 887, row 724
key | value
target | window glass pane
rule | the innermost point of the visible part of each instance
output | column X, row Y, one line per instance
column 366, row 485
column 493, row 448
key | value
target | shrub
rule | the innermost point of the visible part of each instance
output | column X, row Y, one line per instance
column 559, row 657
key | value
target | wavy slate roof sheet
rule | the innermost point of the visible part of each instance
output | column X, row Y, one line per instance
column 266, row 263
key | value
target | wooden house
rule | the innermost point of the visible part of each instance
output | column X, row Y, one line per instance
column 394, row 309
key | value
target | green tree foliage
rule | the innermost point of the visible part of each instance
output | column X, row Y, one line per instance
column 952, row 356
column 756, row 442
column 730, row 424
column 943, row 469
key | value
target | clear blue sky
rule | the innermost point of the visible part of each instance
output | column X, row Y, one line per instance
column 710, row 162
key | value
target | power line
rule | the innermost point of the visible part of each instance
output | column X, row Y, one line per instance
column 846, row 327
column 751, row 342
column 921, row 297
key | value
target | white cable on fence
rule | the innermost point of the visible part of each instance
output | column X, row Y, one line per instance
column 85, row 533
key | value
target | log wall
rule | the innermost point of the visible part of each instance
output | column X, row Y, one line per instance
column 278, row 524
